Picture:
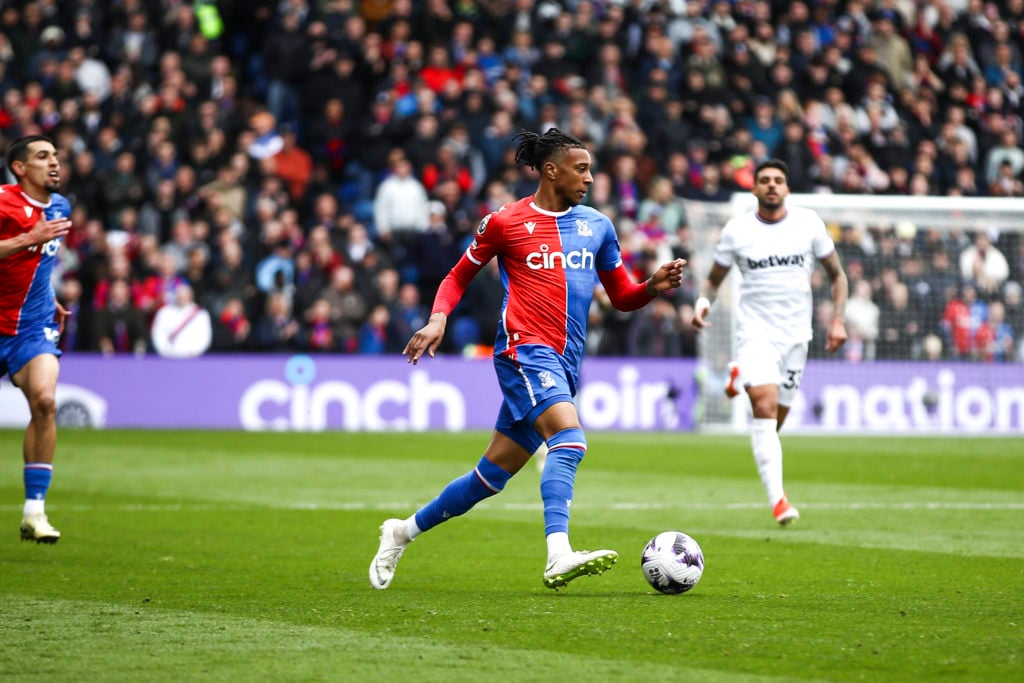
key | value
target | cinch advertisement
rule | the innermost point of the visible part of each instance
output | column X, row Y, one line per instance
column 318, row 393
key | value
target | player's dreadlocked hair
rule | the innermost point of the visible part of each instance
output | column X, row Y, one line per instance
column 534, row 148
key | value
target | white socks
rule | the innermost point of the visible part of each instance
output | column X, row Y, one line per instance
column 411, row 530
column 558, row 545
column 34, row 506
column 764, row 441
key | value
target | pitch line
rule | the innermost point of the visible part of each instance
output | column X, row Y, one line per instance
column 529, row 507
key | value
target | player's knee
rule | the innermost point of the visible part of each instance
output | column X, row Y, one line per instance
column 42, row 404
column 567, row 441
column 492, row 476
column 764, row 408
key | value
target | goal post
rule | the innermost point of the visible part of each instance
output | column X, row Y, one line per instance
column 909, row 378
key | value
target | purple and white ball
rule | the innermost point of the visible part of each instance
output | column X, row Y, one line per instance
column 672, row 562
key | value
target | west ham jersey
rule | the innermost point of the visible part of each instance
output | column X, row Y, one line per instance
column 776, row 260
column 548, row 263
column 26, row 294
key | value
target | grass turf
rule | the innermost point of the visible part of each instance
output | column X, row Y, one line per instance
column 223, row 556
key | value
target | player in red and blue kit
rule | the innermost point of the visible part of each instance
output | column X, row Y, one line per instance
column 33, row 221
column 551, row 253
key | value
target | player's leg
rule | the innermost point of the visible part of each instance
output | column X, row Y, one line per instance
column 502, row 459
column 567, row 444
column 37, row 379
column 762, row 372
column 794, row 359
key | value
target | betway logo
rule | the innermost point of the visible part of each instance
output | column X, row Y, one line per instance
column 772, row 261
column 551, row 260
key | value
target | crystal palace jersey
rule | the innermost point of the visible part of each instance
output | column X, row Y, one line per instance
column 26, row 294
column 549, row 264
column 776, row 260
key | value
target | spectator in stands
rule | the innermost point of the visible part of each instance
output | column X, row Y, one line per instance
column 862, row 320
column 400, row 208
column 982, row 264
column 318, row 332
column 293, row 164
column 277, row 330
column 286, row 58
column 348, row 308
column 891, row 49
column 182, row 328
column 120, row 327
column 1008, row 152
column 994, row 339
column 232, row 330
column 899, row 330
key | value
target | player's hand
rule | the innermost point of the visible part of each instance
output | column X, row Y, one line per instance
column 836, row 335
column 427, row 339
column 699, row 318
column 668, row 276
column 701, row 311
column 61, row 317
column 46, row 230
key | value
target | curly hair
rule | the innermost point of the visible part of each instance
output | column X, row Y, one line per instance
column 536, row 148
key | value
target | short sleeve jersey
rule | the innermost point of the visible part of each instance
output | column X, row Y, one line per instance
column 548, row 264
column 776, row 261
column 26, row 293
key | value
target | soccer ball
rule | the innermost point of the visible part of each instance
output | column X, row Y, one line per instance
column 672, row 562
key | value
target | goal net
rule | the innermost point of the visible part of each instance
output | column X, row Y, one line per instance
column 935, row 318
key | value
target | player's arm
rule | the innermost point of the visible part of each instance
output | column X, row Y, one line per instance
column 61, row 316
column 708, row 292
column 627, row 295
column 41, row 233
column 840, row 292
column 449, row 294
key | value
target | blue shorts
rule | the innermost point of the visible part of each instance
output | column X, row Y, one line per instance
column 537, row 379
column 16, row 351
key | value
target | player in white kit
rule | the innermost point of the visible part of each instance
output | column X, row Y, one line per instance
column 774, row 248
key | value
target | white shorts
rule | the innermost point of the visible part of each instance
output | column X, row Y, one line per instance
column 764, row 362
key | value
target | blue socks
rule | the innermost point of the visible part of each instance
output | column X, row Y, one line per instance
column 462, row 494
column 37, row 477
column 565, row 451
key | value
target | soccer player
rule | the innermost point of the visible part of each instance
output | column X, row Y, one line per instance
column 774, row 248
column 33, row 221
column 551, row 251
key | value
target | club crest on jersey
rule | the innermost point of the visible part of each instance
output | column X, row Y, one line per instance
column 546, row 380
column 583, row 229
column 529, row 225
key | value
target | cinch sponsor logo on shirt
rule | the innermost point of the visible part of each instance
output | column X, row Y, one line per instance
column 773, row 261
column 48, row 249
column 551, row 260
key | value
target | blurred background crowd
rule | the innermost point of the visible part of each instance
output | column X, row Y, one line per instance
column 293, row 175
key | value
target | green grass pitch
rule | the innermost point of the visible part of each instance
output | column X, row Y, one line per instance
column 222, row 556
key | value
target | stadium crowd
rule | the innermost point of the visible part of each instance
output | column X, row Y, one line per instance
column 288, row 175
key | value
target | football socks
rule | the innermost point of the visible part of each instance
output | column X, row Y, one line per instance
column 565, row 451
column 764, row 440
column 461, row 494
